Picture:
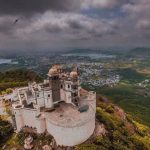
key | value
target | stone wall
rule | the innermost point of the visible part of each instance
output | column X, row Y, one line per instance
column 73, row 135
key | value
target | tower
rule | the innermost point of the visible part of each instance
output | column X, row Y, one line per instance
column 74, row 87
column 54, row 83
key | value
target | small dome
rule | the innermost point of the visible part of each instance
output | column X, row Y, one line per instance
column 53, row 71
column 74, row 74
column 58, row 67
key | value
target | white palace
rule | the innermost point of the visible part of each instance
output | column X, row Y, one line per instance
column 59, row 106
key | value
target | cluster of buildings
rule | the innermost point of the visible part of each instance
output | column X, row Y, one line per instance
column 58, row 106
column 111, row 82
column 95, row 75
column 144, row 83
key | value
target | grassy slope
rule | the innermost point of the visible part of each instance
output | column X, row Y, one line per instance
column 123, row 133
column 127, row 98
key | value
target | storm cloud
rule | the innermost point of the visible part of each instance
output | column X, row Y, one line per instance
column 30, row 7
column 56, row 24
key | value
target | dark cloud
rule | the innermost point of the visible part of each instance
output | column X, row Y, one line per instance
column 143, row 25
column 52, row 28
column 30, row 7
column 6, row 25
column 57, row 23
column 75, row 24
column 5, row 28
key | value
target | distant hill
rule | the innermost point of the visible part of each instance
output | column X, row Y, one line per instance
column 94, row 51
column 140, row 52
column 74, row 51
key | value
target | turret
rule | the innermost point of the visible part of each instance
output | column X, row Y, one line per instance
column 74, row 87
column 54, row 83
column 18, row 117
column 40, row 124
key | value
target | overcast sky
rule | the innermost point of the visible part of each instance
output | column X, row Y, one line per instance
column 61, row 24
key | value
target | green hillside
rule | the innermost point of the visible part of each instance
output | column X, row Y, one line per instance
column 16, row 78
column 122, row 132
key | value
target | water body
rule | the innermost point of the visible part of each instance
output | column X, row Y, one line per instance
column 7, row 61
column 92, row 56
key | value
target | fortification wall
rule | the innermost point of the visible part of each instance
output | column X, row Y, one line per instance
column 40, row 125
column 29, row 117
column 70, row 136
column 19, row 118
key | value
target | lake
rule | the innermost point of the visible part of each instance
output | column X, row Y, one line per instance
column 7, row 61
column 92, row 56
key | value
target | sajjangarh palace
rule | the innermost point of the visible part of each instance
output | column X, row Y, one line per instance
column 59, row 106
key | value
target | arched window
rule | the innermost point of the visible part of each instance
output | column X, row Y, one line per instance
column 68, row 86
column 61, row 86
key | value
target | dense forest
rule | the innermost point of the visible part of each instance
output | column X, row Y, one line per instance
column 6, row 129
column 17, row 78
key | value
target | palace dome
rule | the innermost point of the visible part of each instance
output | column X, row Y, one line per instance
column 74, row 74
column 53, row 71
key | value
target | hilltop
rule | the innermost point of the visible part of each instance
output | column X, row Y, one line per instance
column 115, row 130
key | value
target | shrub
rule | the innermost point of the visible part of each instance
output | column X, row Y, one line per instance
column 87, row 147
column 110, row 109
column 9, row 90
